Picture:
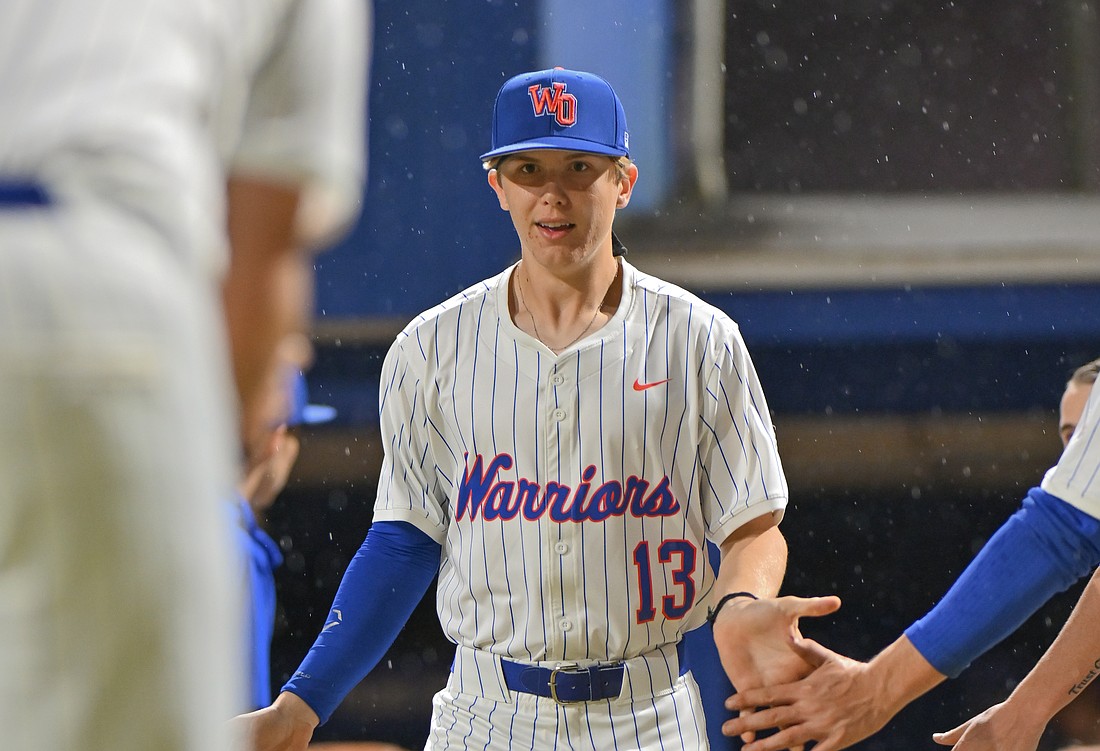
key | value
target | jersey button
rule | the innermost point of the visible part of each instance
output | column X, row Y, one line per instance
column 566, row 625
column 561, row 548
column 558, row 414
column 557, row 379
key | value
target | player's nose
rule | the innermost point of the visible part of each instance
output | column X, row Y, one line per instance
column 553, row 192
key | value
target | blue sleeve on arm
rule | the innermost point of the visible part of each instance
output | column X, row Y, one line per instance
column 1042, row 549
column 383, row 584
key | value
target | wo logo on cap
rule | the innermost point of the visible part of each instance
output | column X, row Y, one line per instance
column 554, row 102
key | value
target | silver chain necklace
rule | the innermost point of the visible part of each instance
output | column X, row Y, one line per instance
column 535, row 326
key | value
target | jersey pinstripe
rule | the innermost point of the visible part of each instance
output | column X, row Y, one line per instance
column 1076, row 477
column 573, row 493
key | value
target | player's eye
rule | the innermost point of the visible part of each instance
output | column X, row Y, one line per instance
column 580, row 166
column 527, row 168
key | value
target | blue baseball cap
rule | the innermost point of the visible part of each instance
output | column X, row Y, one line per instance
column 558, row 109
column 301, row 411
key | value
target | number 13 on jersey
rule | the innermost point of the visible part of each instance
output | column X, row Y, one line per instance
column 680, row 558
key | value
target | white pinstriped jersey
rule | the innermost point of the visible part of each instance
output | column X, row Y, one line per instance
column 573, row 494
column 1076, row 477
column 118, row 596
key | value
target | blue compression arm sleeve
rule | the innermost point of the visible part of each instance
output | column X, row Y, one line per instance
column 383, row 584
column 1042, row 549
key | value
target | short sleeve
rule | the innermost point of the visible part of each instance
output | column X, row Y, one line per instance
column 1074, row 478
column 742, row 473
column 407, row 488
column 305, row 121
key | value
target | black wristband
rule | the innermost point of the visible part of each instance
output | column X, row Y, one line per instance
column 713, row 612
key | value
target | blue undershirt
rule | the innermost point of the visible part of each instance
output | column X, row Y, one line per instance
column 1042, row 549
column 384, row 582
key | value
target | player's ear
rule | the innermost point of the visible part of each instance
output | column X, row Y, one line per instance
column 626, row 185
column 494, row 182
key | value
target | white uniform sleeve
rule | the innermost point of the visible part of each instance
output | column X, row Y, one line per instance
column 407, row 485
column 305, row 122
column 1074, row 478
column 742, row 475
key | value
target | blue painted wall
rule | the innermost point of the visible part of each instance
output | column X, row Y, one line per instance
column 628, row 42
column 430, row 225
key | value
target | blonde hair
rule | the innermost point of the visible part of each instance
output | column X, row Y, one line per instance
column 622, row 163
column 1086, row 374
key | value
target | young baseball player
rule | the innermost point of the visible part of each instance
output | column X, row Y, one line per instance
column 561, row 440
column 1051, row 542
column 135, row 132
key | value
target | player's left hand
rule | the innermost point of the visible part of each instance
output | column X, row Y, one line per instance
column 755, row 638
column 998, row 728
column 755, row 641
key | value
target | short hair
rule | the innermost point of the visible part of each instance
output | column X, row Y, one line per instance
column 1087, row 373
column 622, row 163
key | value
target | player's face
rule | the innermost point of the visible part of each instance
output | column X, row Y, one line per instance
column 1073, row 404
column 562, row 203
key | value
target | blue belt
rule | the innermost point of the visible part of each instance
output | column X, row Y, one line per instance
column 568, row 684
column 18, row 194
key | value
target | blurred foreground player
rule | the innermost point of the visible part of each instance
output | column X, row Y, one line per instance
column 151, row 149
column 561, row 441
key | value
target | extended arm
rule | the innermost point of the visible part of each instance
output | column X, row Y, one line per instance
column 1041, row 550
column 383, row 584
column 1071, row 663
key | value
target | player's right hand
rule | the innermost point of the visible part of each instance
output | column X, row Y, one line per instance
column 840, row 703
column 834, row 705
column 287, row 725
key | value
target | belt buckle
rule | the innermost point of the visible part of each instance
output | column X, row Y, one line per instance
column 569, row 666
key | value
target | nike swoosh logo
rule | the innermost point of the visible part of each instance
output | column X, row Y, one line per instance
column 639, row 386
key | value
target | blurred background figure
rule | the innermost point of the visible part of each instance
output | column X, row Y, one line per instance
column 1062, row 676
column 1080, row 720
column 1074, row 398
column 268, row 464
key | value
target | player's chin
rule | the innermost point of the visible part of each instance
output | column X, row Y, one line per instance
column 559, row 255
